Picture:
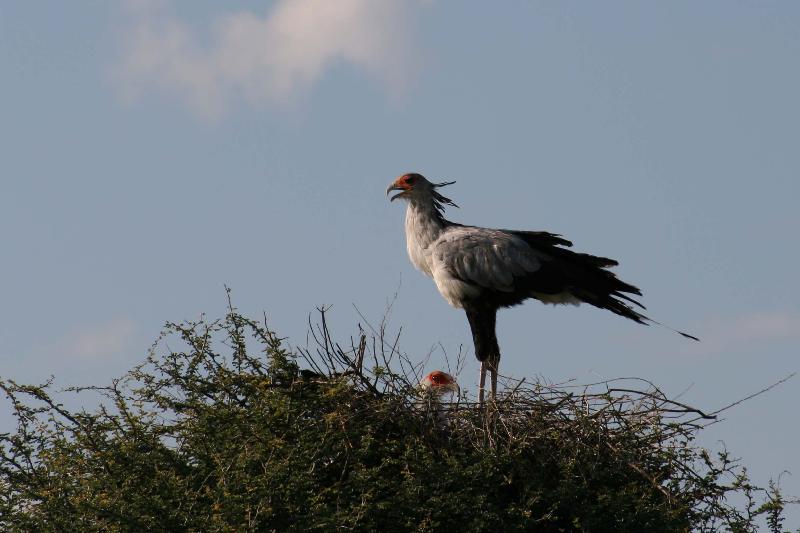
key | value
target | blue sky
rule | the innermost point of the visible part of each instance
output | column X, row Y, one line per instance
column 154, row 151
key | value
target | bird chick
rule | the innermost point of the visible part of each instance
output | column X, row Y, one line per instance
column 433, row 388
column 439, row 383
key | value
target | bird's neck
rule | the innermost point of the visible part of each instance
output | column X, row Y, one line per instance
column 424, row 224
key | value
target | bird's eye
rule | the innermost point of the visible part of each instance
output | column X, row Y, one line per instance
column 410, row 179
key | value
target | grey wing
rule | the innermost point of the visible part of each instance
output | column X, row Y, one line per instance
column 485, row 257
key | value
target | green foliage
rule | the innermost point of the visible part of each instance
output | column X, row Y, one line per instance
column 228, row 434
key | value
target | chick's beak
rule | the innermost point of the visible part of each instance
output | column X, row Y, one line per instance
column 456, row 389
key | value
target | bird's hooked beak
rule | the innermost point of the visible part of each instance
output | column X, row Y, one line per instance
column 397, row 185
column 457, row 390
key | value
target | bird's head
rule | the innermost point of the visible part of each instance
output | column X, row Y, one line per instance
column 440, row 383
column 415, row 187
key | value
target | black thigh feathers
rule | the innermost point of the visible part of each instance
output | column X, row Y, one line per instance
column 482, row 319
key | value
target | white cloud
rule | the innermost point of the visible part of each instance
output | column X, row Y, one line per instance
column 263, row 59
column 103, row 340
column 746, row 331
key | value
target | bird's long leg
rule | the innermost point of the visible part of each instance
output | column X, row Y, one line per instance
column 482, row 323
column 493, row 370
column 482, row 386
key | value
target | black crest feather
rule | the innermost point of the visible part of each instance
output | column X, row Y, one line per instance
column 440, row 200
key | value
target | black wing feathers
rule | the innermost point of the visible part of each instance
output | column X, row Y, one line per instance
column 541, row 238
column 582, row 275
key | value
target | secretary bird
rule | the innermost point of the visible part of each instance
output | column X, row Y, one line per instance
column 433, row 388
column 439, row 383
column 481, row 270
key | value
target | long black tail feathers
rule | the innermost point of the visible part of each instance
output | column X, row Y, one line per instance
column 657, row 323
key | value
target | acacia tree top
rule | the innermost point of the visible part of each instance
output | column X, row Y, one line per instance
column 224, row 431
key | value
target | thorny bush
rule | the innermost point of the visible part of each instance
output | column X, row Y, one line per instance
column 229, row 433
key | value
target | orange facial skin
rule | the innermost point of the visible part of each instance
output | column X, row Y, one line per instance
column 440, row 382
column 404, row 184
